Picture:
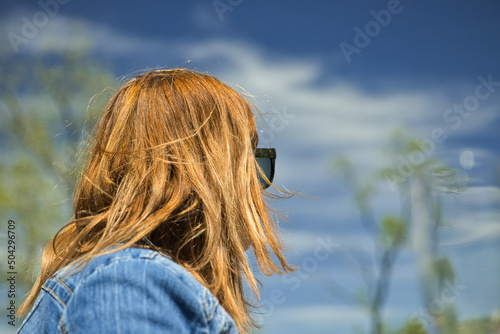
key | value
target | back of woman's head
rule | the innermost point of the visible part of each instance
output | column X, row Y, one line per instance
column 172, row 162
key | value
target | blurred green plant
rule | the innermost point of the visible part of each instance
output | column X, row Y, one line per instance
column 481, row 325
column 419, row 181
column 43, row 103
column 413, row 327
column 393, row 230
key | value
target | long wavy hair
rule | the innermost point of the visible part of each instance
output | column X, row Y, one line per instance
column 172, row 162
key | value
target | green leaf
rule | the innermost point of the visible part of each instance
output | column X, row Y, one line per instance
column 393, row 230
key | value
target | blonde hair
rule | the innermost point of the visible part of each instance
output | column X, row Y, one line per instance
column 172, row 160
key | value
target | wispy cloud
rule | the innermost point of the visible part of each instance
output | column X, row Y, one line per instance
column 477, row 221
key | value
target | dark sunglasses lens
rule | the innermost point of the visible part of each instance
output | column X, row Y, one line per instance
column 265, row 159
column 267, row 167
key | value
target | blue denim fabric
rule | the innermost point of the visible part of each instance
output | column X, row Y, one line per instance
column 134, row 290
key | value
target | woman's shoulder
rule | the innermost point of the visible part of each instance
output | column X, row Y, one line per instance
column 134, row 255
column 133, row 263
column 139, row 284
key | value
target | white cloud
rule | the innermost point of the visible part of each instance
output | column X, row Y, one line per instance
column 473, row 228
column 471, row 217
column 480, row 195
column 323, row 313
column 323, row 318
column 315, row 319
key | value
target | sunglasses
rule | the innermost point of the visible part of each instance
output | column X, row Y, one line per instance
column 266, row 158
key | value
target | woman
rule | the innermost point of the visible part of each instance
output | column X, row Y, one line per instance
column 170, row 199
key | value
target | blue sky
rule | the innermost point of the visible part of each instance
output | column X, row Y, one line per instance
column 317, row 104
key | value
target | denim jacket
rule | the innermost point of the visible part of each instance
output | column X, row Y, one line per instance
column 134, row 290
